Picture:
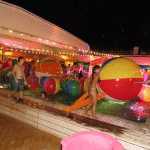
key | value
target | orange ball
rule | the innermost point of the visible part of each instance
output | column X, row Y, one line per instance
column 48, row 68
column 145, row 93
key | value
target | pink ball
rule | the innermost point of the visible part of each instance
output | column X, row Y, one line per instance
column 51, row 86
column 32, row 79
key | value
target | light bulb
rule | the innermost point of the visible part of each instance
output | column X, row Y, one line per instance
column 10, row 31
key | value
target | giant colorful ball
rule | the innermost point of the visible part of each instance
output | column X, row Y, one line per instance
column 117, row 77
column 48, row 68
column 8, row 72
column 41, row 81
column 73, row 88
column 32, row 79
column 51, row 86
column 144, row 93
column 85, row 85
column 63, row 86
column 59, row 79
column 8, row 66
column 11, row 82
column 9, row 63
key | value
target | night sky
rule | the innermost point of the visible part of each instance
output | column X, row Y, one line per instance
column 103, row 24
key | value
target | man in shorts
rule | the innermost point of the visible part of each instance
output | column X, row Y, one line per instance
column 19, row 75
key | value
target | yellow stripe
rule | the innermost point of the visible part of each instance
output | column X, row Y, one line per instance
column 39, row 81
column 120, row 68
column 57, row 85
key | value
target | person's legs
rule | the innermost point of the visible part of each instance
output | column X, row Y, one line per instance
column 16, row 85
column 21, row 87
column 21, row 94
column 89, row 106
column 94, row 105
column 13, row 94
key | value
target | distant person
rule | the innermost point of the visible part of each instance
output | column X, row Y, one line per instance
column 68, row 69
column 19, row 75
column 74, row 69
column 145, row 75
column 64, row 69
column 32, row 67
column 77, row 70
column 80, row 74
column 44, row 96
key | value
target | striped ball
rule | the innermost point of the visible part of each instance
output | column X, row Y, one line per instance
column 51, row 86
column 85, row 85
column 73, row 88
column 32, row 79
column 117, row 76
column 145, row 93
column 63, row 86
column 41, row 81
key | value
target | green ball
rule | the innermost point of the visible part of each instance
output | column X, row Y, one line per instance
column 8, row 71
column 73, row 88
column 14, row 61
column 11, row 82
column 63, row 86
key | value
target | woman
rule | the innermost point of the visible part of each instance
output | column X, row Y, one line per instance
column 93, row 86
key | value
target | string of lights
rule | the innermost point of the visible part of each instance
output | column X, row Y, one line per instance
column 77, row 52
column 47, row 52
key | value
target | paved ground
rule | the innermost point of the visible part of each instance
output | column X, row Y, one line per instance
column 20, row 136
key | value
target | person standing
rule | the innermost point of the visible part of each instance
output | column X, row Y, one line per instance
column 80, row 74
column 93, row 87
column 68, row 69
column 77, row 70
column 19, row 76
column 64, row 69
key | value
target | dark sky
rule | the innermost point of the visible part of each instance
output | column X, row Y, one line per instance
column 103, row 24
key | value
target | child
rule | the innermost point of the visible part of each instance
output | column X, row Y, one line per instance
column 44, row 96
column 80, row 74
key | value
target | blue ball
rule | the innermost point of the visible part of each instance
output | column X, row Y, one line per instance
column 73, row 88
column 42, row 80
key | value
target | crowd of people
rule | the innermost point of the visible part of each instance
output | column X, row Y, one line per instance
column 72, row 71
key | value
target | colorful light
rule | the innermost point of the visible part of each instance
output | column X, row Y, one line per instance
column 10, row 31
